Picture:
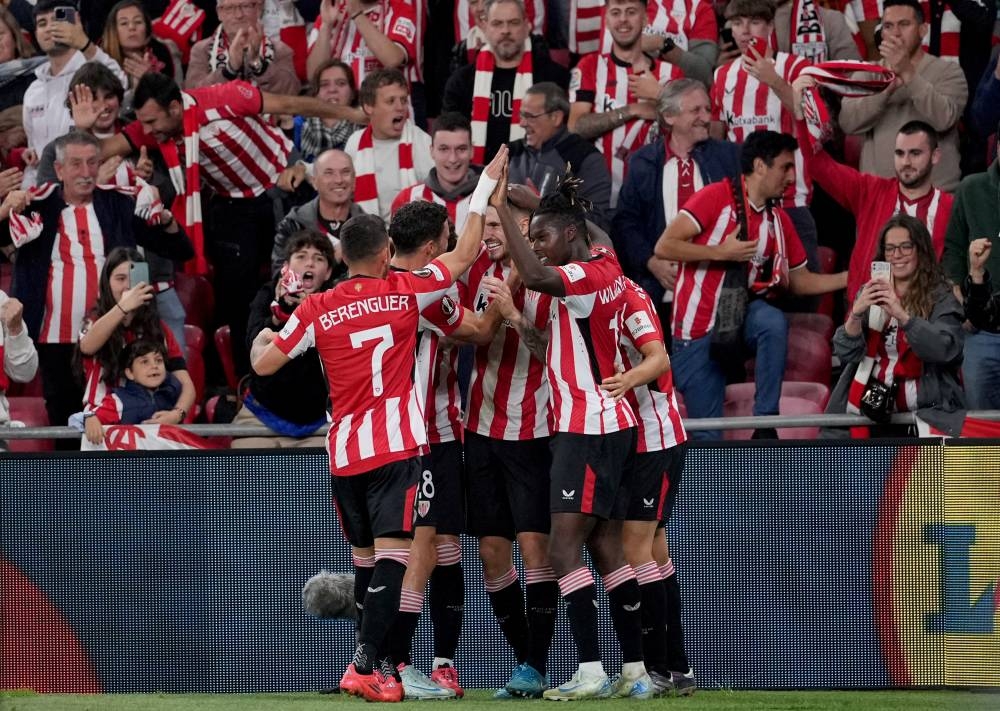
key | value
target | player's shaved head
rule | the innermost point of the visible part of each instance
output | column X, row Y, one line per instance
column 362, row 238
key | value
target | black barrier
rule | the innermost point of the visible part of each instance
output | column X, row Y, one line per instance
column 801, row 564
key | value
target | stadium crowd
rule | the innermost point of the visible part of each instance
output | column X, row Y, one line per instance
column 758, row 188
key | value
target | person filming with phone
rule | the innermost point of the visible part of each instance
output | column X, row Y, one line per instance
column 902, row 342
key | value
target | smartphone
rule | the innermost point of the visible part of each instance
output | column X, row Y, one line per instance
column 726, row 35
column 757, row 43
column 139, row 271
column 881, row 270
column 65, row 14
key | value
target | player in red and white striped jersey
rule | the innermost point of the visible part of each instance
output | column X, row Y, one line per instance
column 613, row 94
column 370, row 35
column 707, row 234
column 654, row 479
column 507, row 457
column 452, row 179
column 594, row 433
column 369, row 324
column 421, row 231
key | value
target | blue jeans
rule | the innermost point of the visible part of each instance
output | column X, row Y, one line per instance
column 981, row 371
column 171, row 311
column 702, row 382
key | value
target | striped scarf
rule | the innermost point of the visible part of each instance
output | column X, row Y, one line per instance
column 218, row 55
column 900, row 366
column 187, row 182
column 365, row 186
column 848, row 78
column 807, row 37
column 482, row 94
column 181, row 24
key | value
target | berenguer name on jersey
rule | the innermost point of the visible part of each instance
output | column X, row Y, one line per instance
column 364, row 307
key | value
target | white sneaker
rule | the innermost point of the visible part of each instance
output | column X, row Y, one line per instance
column 581, row 686
column 417, row 686
column 640, row 687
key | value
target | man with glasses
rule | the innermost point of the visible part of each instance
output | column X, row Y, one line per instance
column 548, row 149
column 872, row 200
column 490, row 90
column 240, row 49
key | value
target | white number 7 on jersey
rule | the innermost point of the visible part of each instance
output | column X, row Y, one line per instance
column 384, row 336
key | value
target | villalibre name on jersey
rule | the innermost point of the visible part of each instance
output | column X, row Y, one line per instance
column 936, row 567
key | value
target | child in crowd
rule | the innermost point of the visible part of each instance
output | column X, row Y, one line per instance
column 150, row 388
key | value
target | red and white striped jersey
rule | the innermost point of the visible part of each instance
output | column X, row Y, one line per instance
column 365, row 331
column 583, row 347
column 94, row 389
column 402, row 21
column 655, row 404
column 681, row 20
column 74, row 274
column 458, row 210
column 602, row 81
column 240, row 154
column 442, row 405
column 713, row 211
column 745, row 104
column 534, row 10
column 509, row 389
column 951, row 26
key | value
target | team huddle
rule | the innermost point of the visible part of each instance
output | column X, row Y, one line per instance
column 571, row 438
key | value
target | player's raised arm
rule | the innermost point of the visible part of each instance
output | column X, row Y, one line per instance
column 469, row 242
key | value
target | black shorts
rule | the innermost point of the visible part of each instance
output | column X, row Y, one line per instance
column 674, row 470
column 646, row 483
column 587, row 473
column 441, row 495
column 506, row 486
column 380, row 503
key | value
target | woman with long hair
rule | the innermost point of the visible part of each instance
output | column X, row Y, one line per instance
column 901, row 345
column 18, row 61
column 128, row 39
column 126, row 312
column 333, row 81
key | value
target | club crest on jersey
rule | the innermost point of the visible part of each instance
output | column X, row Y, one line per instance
column 358, row 287
column 423, row 508
column 245, row 91
column 573, row 272
column 430, row 270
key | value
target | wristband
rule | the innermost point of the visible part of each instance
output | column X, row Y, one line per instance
column 121, row 309
column 184, row 413
column 856, row 317
column 480, row 199
column 355, row 15
column 85, row 47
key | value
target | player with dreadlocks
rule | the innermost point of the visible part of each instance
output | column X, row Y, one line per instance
column 594, row 433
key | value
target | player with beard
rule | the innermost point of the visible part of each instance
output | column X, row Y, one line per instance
column 613, row 95
column 420, row 232
column 507, row 456
column 369, row 325
column 594, row 437
column 872, row 199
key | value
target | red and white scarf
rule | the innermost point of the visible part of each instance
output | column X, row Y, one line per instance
column 482, row 94
column 365, row 186
column 187, row 182
column 889, row 358
column 807, row 36
column 586, row 20
column 181, row 24
column 25, row 228
column 218, row 55
column 849, row 78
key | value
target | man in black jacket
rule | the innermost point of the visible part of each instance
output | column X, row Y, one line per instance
column 61, row 237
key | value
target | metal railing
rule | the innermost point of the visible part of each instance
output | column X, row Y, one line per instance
column 692, row 425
